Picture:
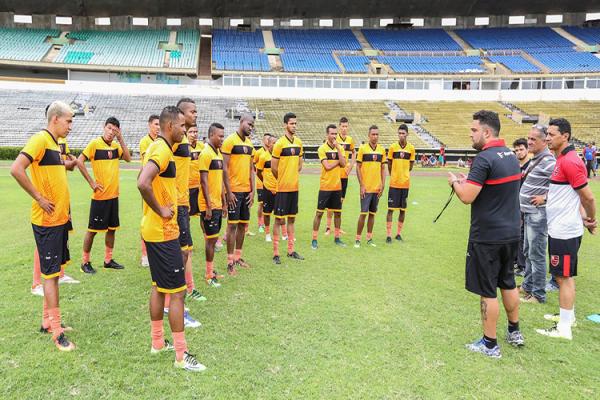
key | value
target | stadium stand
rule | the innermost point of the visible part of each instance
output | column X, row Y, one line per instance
column 234, row 50
column 515, row 63
column 187, row 57
column 358, row 64
column 589, row 35
column 568, row 61
column 25, row 44
column 411, row 40
column 433, row 64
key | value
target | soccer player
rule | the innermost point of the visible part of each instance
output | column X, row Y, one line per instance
column 333, row 161
column 263, row 171
column 158, row 187
column 286, row 164
column 401, row 159
column 259, row 183
column 196, row 148
column 492, row 189
column 104, row 154
column 212, row 198
column 153, row 131
column 570, row 208
column 347, row 143
column 49, row 210
column 238, row 175
column 370, row 170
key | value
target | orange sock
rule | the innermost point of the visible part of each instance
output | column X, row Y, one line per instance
column 315, row 235
column 275, row 244
column 45, row 316
column 189, row 278
column 358, row 237
column 180, row 345
column 284, row 231
column 267, row 229
column 54, row 317
column 107, row 254
column 337, row 233
column 369, row 236
column 144, row 251
column 388, row 228
column 230, row 259
column 329, row 218
column 37, row 273
column 290, row 242
column 209, row 270
column 237, row 254
column 400, row 225
column 167, row 301
column 157, row 334
column 85, row 258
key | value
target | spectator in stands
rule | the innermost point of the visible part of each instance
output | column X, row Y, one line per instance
column 460, row 163
column 442, row 157
column 520, row 149
column 424, row 160
column 432, row 160
column 588, row 158
column 594, row 155
column 532, row 197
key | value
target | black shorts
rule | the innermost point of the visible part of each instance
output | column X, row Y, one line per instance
column 286, row 204
column 397, row 199
column 329, row 200
column 52, row 244
column 166, row 266
column 268, row 202
column 211, row 227
column 104, row 215
column 260, row 195
column 185, row 233
column 563, row 256
column 194, row 209
column 369, row 204
column 490, row 266
column 344, row 187
column 240, row 213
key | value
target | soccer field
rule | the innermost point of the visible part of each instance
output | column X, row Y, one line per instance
column 385, row 322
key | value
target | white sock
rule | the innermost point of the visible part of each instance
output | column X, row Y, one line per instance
column 566, row 318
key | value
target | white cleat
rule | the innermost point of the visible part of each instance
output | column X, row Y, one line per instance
column 189, row 363
column 67, row 279
column 145, row 262
column 268, row 238
column 556, row 332
column 38, row 290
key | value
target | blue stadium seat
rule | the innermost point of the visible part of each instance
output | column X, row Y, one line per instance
column 589, row 35
column 411, row 40
column 515, row 63
column 234, row 50
column 433, row 65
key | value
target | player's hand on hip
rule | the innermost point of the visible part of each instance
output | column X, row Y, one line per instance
column 97, row 187
column 167, row 212
column 46, row 205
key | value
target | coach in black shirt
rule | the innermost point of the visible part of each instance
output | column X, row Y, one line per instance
column 492, row 189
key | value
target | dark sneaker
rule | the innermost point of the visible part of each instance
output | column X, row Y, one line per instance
column 231, row 271
column 314, row 244
column 63, row 344
column 242, row 263
column 216, row 275
column 388, row 240
column 276, row 260
column 113, row 264
column 515, row 338
column 49, row 329
column 294, row 255
column 328, row 231
column 399, row 237
column 339, row 242
column 87, row 268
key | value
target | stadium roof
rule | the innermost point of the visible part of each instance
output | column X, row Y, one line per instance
column 299, row 9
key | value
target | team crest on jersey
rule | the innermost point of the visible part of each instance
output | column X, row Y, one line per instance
column 293, row 150
column 110, row 155
column 219, row 164
column 374, row 157
column 554, row 260
column 245, row 150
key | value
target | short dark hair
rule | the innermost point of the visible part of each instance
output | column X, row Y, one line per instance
column 520, row 142
column 185, row 100
column 288, row 116
column 267, row 134
column 330, row 126
column 113, row 121
column 213, row 127
column 562, row 124
column 168, row 114
column 403, row 127
column 373, row 127
column 488, row 118
column 344, row 120
column 153, row 117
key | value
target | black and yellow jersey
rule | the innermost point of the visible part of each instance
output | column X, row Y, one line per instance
column 369, row 161
column 241, row 153
column 211, row 162
column 105, row 158
column 288, row 152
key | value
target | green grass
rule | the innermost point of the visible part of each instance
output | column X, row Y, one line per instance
column 385, row 322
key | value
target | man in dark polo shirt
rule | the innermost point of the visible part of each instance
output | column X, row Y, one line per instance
column 492, row 189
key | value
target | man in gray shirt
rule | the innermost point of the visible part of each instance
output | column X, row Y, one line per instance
column 532, row 198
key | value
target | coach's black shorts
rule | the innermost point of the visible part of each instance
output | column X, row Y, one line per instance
column 52, row 243
column 329, row 200
column 260, row 195
column 344, row 187
column 104, row 215
column 369, row 204
column 241, row 212
column 490, row 266
column 397, row 199
column 563, row 256
column 194, row 209
column 166, row 266
column 268, row 202
column 286, row 204
column 185, row 233
column 211, row 227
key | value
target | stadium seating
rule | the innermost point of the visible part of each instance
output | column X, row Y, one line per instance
column 589, row 35
column 514, row 38
column 411, row 40
column 568, row 61
column 358, row 64
column 234, row 50
column 25, row 44
column 439, row 64
column 515, row 63
column 188, row 56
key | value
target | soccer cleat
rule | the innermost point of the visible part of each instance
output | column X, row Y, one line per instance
column 327, row 231
column 398, row 237
column 550, row 287
column 166, row 347
column 529, row 298
column 357, row 244
column 195, row 295
column 217, row 275
column 276, row 260
column 63, row 344
column 295, row 256
column 38, row 290
column 189, row 363
column 555, row 332
column 250, row 233
column 261, row 229
column 338, row 242
column 213, row 282
column 242, row 263
column 87, row 268
column 371, row 243
column 112, row 264
column 190, row 322
column 268, row 238
column 231, row 271
column 49, row 329
column 284, row 238
column 515, row 338
column 67, row 279
column 314, row 245
column 388, row 240
column 556, row 318
column 145, row 262
column 218, row 245
column 480, row 347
